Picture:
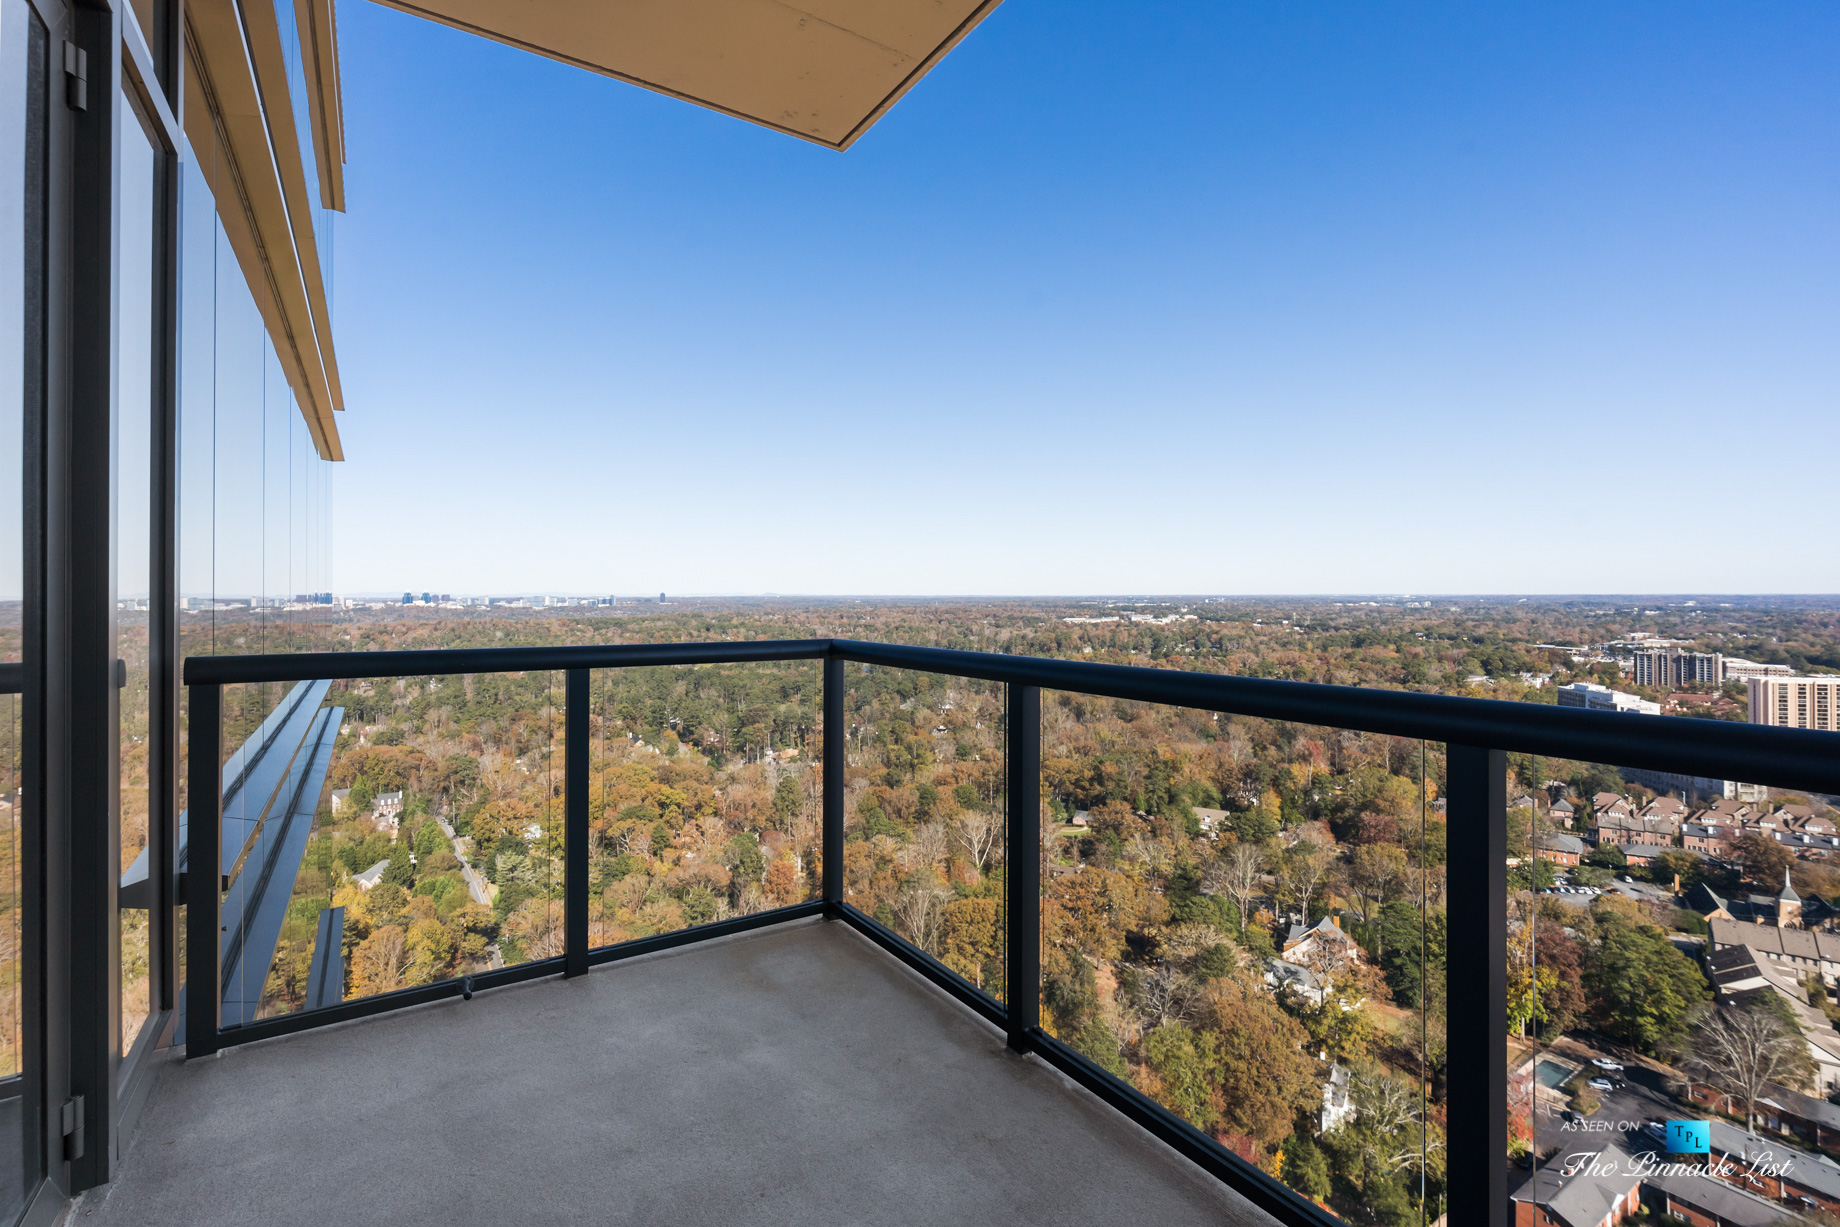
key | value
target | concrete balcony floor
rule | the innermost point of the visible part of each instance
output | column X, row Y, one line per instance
column 794, row 1075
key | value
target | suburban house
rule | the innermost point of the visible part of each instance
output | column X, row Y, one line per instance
column 1580, row 1190
column 1641, row 855
column 1323, row 943
column 1739, row 971
column 370, row 877
column 388, row 811
column 1561, row 849
column 1709, row 839
column 1337, row 1106
column 1729, row 811
column 1612, row 805
column 1751, row 1163
column 1212, row 820
column 1281, row 975
column 1610, row 1186
column 1809, row 846
column 1813, row 1122
column 1631, row 829
column 1563, row 812
column 1700, row 1201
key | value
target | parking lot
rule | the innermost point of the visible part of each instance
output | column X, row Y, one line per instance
column 1581, row 896
column 1625, row 1111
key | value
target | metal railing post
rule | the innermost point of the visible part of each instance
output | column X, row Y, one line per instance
column 203, row 870
column 1022, row 866
column 575, row 767
column 833, row 784
column 1476, row 1072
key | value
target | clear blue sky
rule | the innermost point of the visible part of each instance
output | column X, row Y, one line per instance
column 1121, row 297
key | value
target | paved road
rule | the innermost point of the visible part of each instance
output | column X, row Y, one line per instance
column 475, row 884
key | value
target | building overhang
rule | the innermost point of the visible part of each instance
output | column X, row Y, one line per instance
column 820, row 70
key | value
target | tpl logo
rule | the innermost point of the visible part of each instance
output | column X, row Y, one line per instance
column 1689, row 1137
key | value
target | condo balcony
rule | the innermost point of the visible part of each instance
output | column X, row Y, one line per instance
column 542, row 976
column 793, row 1074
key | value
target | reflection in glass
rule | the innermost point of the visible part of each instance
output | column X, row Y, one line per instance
column 24, row 146
column 133, row 541
column 385, row 833
column 254, row 576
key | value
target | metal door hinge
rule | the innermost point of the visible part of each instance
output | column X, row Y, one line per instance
column 73, row 1128
column 76, row 77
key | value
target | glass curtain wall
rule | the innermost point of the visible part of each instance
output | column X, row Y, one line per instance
column 24, row 140
column 255, row 566
column 133, row 536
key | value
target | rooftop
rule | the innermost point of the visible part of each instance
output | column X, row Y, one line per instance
column 794, row 1075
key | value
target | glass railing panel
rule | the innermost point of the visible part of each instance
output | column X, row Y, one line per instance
column 705, row 795
column 1244, row 921
column 385, row 833
column 12, row 885
column 1672, row 963
column 925, row 803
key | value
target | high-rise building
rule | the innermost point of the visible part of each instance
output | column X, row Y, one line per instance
column 1796, row 702
column 1665, row 668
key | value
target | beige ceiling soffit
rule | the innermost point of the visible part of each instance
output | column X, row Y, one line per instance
column 242, row 198
column 820, row 70
column 262, row 42
column 225, row 125
column 319, row 52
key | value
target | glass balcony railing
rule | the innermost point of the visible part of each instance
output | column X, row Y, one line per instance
column 1672, row 961
column 1364, row 956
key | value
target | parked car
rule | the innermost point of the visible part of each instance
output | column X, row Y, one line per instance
column 1655, row 1129
column 1606, row 1063
column 1601, row 1084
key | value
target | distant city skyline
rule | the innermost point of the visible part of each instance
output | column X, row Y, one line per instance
column 1338, row 298
column 1638, row 605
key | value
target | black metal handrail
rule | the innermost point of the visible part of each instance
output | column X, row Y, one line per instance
column 1789, row 758
column 1718, row 749
column 1477, row 733
column 445, row 662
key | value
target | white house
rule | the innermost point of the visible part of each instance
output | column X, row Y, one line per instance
column 1337, row 1107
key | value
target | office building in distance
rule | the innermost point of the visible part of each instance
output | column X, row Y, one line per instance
column 1602, row 698
column 1796, row 702
column 1669, row 668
